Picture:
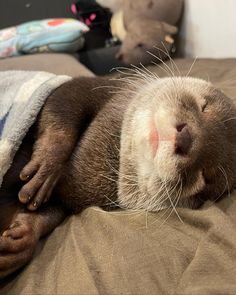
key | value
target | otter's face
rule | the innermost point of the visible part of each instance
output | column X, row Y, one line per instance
column 178, row 145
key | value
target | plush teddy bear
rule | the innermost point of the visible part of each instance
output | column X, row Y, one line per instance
column 142, row 26
column 168, row 11
column 144, row 40
column 113, row 5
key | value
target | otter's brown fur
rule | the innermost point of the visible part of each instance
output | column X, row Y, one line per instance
column 92, row 147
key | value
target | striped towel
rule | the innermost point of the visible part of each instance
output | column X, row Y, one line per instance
column 22, row 95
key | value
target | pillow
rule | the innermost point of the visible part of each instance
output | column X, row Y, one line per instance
column 49, row 35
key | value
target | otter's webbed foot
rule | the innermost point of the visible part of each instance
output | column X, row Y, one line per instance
column 18, row 242
column 17, row 245
column 51, row 150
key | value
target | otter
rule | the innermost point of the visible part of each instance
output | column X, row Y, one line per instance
column 142, row 144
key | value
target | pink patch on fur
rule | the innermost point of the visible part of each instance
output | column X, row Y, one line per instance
column 154, row 139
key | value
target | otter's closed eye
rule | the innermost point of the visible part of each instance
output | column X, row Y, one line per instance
column 140, row 45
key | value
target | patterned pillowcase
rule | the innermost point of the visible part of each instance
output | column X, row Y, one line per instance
column 50, row 35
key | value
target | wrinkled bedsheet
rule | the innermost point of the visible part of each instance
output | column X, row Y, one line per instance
column 98, row 252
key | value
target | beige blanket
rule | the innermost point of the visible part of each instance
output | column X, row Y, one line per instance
column 101, row 252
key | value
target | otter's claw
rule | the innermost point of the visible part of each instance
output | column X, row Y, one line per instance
column 41, row 177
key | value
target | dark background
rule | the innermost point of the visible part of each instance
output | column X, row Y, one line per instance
column 14, row 12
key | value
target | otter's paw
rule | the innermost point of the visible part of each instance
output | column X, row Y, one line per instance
column 41, row 175
column 17, row 245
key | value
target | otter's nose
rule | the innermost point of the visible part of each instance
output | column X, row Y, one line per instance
column 183, row 141
column 119, row 56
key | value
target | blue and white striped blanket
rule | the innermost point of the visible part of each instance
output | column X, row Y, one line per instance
column 22, row 95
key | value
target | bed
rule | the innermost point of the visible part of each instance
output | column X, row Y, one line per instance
column 121, row 252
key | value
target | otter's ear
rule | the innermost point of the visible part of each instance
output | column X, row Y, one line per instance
column 172, row 30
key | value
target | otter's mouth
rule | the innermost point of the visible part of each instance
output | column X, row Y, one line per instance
column 172, row 152
column 179, row 138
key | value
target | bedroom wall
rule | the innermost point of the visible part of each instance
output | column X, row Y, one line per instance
column 209, row 28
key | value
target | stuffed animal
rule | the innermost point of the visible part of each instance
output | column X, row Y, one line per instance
column 146, row 39
column 113, row 5
column 168, row 11
column 144, row 25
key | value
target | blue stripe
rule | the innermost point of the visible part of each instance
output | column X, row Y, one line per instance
column 3, row 121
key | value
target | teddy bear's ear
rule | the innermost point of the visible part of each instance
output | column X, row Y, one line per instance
column 117, row 26
column 170, row 29
column 169, row 39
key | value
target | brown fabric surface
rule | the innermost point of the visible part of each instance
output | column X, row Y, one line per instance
column 220, row 72
column 58, row 63
column 98, row 252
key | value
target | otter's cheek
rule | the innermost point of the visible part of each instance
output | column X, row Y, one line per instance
column 141, row 148
column 154, row 139
column 165, row 162
column 162, row 140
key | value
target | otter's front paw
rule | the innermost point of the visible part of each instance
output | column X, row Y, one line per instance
column 41, row 174
column 17, row 245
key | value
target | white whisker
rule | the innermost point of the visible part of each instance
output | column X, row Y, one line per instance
column 191, row 67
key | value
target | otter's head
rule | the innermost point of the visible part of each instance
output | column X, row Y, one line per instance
column 178, row 145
